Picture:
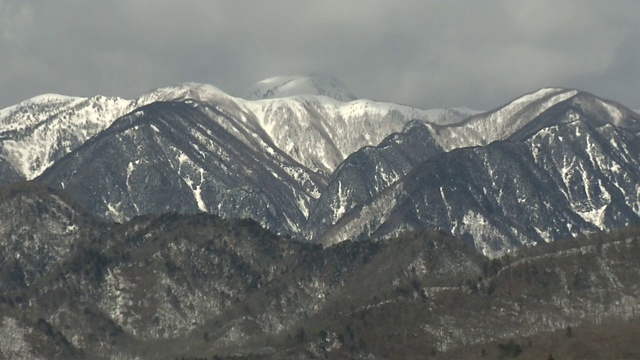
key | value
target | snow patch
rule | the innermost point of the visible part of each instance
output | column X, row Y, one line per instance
column 614, row 113
column 342, row 203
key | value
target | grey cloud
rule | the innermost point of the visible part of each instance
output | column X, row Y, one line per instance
column 423, row 53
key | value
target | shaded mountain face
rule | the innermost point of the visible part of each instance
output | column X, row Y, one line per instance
column 367, row 173
column 571, row 168
column 186, row 157
column 167, row 286
column 548, row 165
column 279, row 138
column 8, row 173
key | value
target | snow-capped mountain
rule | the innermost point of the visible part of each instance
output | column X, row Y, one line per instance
column 329, row 170
column 550, row 165
column 286, row 86
column 37, row 132
column 321, row 133
column 571, row 166
column 484, row 128
column 499, row 124
column 368, row 172
column 40, row 131
column 187, row 156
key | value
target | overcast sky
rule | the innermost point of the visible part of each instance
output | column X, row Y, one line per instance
column 478, row 54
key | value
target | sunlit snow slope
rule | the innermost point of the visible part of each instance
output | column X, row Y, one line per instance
column 39, row 131
column 570, row 166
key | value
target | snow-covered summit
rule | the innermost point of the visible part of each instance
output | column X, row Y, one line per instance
column 187, row 90
column 38, row 131
column 26, row 112
column 316, row 127
column 51, row 97
column 286, row 86
column 499, row 124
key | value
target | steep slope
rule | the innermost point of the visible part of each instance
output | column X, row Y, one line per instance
column 371, row 170
column 321, row 133
column 286, row 86
column 499, row 124
column 39, row 131
column 187, row 157
column 38, row 227
column 7, row 173
column 368, row 172
column 572, row 168
column 317, row 131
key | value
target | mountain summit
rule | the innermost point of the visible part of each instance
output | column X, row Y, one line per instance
column 286, row 86
column 548, row 165
column 403, row 215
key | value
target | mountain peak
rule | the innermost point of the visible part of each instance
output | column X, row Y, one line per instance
column 285, row 86
column 43, row 100
column 182, row 91
column 51, row 97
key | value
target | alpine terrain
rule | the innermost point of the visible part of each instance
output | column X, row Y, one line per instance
column 300, row 221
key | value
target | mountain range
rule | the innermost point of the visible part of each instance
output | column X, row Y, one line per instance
column 171, row 286
column 299, row 221
column 548, row 165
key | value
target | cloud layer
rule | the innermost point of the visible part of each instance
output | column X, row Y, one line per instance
column 422, row 53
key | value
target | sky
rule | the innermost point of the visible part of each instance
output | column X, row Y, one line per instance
column 428, row 54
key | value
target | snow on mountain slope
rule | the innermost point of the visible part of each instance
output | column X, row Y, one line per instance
column 186, row 156
column 368, row 172
column 188, row 90
column 192, row 147
column 34, row 110
column 321, row 132
column 571, row 169
column 286, row 86
column 39, row 131
column 499, row 124
column 316, row 130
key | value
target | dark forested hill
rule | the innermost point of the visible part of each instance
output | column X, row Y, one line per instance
column 167, row 286
column 189, row 223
